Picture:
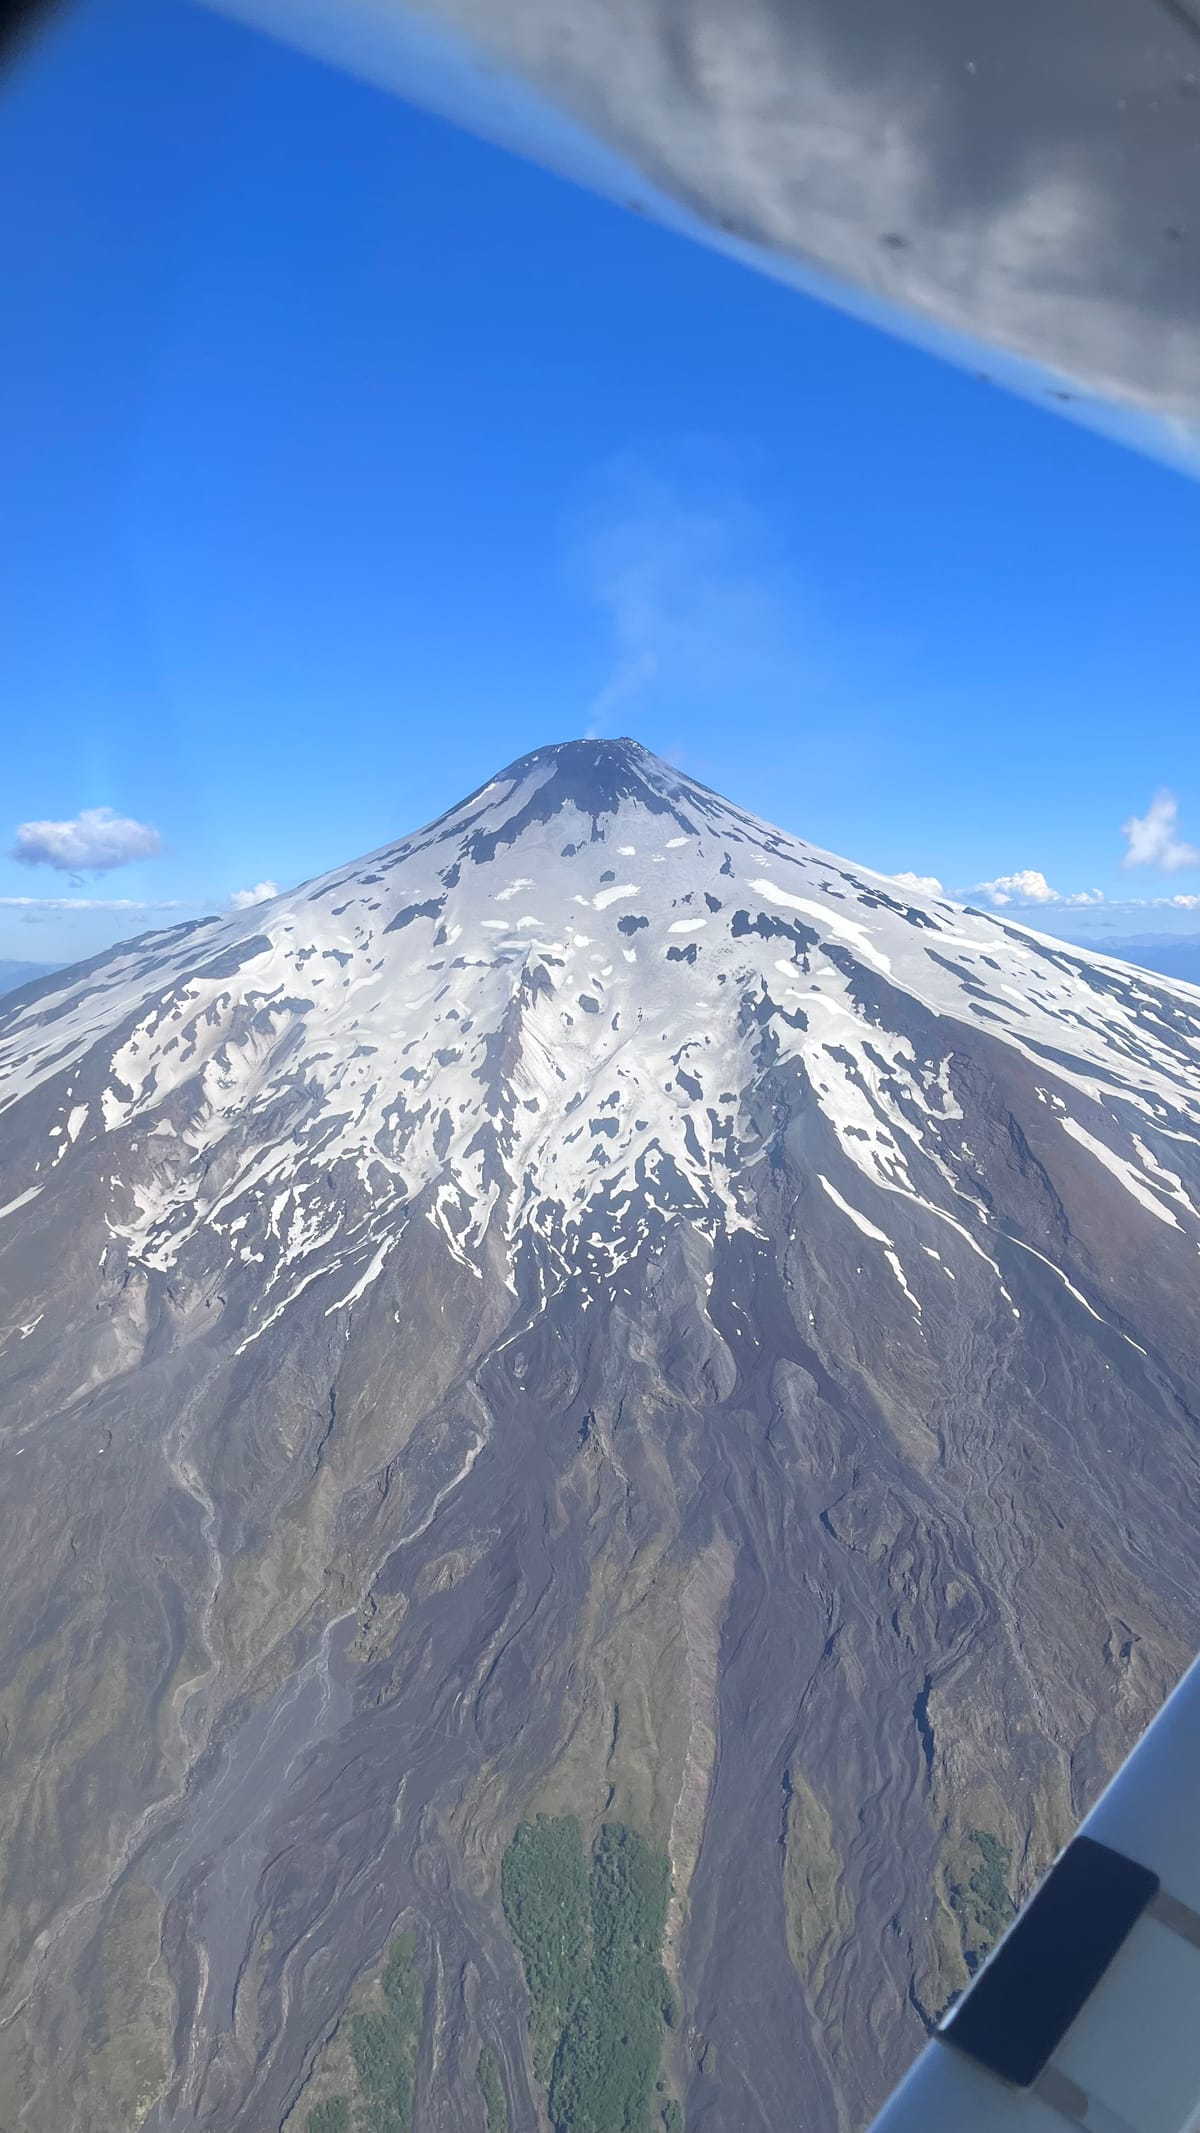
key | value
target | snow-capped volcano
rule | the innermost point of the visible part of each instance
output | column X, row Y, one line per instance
column 598, row 1307
column 549, row 1017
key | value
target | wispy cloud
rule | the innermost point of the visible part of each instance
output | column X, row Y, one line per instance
column 669, row 552
column 35, row 904
column 626, row 680
column 261, row 893
column 1153, row 839
column 90, row 842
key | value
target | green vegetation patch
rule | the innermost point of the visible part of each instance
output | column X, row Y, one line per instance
column 384, row 2046
column 981, row 1904
column 384, row 2040
column 544, row 1887
column 592, row 1946
column 332, row 2116
column 492, row 2090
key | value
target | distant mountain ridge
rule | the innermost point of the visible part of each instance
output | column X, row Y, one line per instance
column 598, row 1308
column 1172, row 955
column 14, row 974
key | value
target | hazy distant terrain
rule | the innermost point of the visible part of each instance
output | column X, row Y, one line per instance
column 599, row 1455
column 1172, row 955
column 14, row 974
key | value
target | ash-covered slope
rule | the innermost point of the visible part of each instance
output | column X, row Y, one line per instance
column 600, row 1306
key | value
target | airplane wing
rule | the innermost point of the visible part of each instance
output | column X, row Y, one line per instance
column 1087, row 2013
column 1014, row 187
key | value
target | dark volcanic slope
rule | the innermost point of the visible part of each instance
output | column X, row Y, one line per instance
column 599, row 1307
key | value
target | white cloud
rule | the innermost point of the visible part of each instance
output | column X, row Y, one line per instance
column 261, row 893
column 1030, row 886
column 91, row 841
column 1115, row 905
column 929, row 883
column 1026, row 887
column 1153, row 838
column 84, row 903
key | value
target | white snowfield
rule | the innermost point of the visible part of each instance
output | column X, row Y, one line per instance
column 548, row 1016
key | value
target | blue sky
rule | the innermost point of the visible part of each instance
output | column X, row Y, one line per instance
column 347, row 458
